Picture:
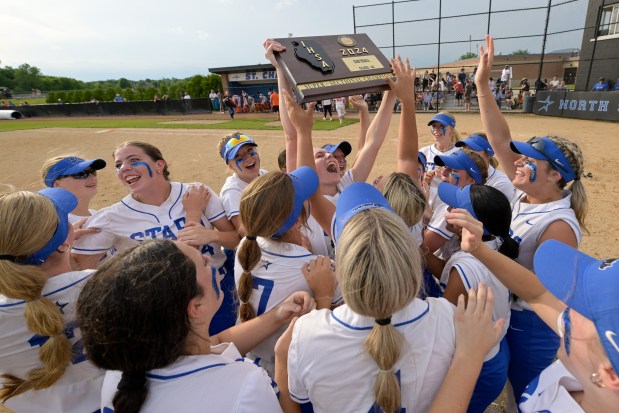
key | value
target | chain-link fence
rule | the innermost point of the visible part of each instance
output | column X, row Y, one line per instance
column 536, row 39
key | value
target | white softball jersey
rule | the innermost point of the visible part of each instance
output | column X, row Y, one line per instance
column 430, row 152
column 329, row 367
column 231, row 194
column 472, row 272
column 129, row 222
column 276, row 276
column 497, row 179
column 222, row 381
column 79, row 388
column 438, row 223
column 550, row 391
column 529, row 221
column 74, row 218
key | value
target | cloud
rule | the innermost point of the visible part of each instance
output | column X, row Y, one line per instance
column 202, row 35
column 282, row 4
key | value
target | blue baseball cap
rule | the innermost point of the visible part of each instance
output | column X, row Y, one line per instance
column 70, row 166
column 456, row 197
column 443, row 119
column 355, row 198
column 546, row 150
column 344, row 146
column 64, row 202
column 477, row 143
column 588, row 285
column 459, row 160
column 305, row 183
column 233, row 145
column 421, row 158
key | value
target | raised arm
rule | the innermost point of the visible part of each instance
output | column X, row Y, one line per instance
column 374, row 139
column 321, row 208
column 514, row 276
column 408, row 144
column 492, row 119
column 290, row 133
column 249, row 334
column 364, row 121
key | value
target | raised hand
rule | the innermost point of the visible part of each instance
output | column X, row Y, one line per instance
column 404, row 86
column 302, row 119
column 321, row 279
column 472, row 229
column 358, row 102
column 486, row 57
column 271, row 46
column 297, row 304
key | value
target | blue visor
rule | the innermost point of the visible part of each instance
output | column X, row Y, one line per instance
column 443, row 120
column 355, row 198
column 344, row 146
column 458, row 160
column 546, row 150
column 64, row 202
column 233, row 145
column 477, row 143
column 305, row 183
column 70, row 166
column 587, row 285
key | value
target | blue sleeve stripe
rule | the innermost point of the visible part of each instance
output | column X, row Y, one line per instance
column 216, row 217
column 52, row 292
column 299, row 399
column 175, row 376
column 466, row 280
column 233, row 214
column 441, row 233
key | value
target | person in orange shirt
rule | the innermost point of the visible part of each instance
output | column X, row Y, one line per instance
column 275, row 103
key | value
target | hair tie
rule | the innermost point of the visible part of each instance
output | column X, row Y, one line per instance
column 249, row 237
column 384, row 321
column 7, row 257
column 132, row 381
column 577, row 178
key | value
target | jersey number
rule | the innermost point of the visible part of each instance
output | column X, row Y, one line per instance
column 267, row 289
column 77, row 349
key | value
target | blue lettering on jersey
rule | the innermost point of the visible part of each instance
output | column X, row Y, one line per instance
column 515, row 238
column 376, row 409
column 78, row 354
column 267, row 289
column 152, row 232
column 180, row 223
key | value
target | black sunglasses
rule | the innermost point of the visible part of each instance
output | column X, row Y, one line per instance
column 540, row 144
column 81, row 175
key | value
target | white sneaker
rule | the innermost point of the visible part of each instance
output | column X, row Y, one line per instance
column 324, row 118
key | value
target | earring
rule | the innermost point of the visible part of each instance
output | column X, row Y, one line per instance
column 595, row 379
column 64, row 248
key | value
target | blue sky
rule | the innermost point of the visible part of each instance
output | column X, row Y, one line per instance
column 156, row 39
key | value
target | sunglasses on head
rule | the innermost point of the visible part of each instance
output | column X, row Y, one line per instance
column 81, row 175
column 540, row 145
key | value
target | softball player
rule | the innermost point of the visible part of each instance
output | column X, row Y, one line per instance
column 155, row 209
column 478, row 142
column 239, row 153
column 40, row 341
column 542, row 209
column 340, row 107
column 443, row 130
column 463, row 271
column 156, row 344
column 347, row 351
column 76, row 175
column 270, row 258
column 580, row 306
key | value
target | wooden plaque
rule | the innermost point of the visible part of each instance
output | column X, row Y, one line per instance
column 322, row 67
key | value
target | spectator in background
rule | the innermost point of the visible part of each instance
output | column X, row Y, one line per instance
column 117, row 98
column 11, row 104
column 468, row 91
column 275, row 103
column 462, row 76
column 326, row 107
column 459, row 89
column 214, row 101
column 562, row 86
column 509, row 98
column 525, row 87
column 229, row 103
column 492, row 85
column 506, row 75
column 554, row 83
column 600, row 86
column 425, row 80
column 187, row 101
column 221, row 102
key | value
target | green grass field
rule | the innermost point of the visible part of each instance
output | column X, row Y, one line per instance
column 159, row 123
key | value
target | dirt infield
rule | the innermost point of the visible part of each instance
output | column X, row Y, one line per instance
column 192, row 156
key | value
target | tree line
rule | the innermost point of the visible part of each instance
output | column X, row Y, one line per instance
column 25, row 78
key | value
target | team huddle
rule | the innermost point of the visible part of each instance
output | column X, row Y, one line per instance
column 308, row 289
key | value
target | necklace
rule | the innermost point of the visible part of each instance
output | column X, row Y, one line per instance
column 446, row 149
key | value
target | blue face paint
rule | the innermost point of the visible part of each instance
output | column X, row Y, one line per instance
column 456, row 178
column 214, row 281
column 531, row 166
column 238, row 163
